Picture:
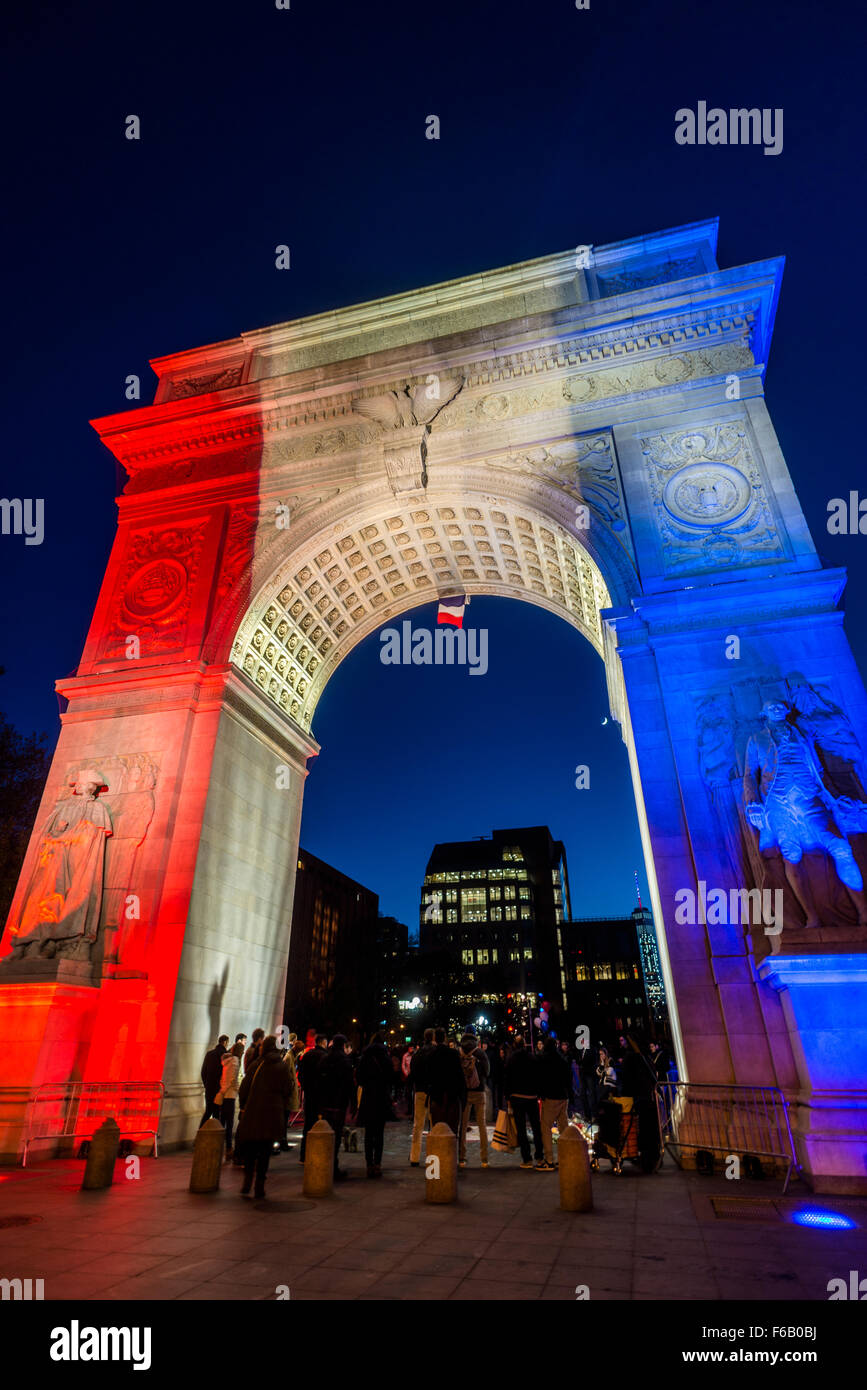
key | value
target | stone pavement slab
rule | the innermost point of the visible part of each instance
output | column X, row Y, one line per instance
column 648, row 1237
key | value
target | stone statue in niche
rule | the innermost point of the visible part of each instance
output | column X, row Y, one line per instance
column 61, row 908
column 787, row 801
column 132, row 779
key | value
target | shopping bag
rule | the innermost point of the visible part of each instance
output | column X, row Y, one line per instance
column 505, row 1133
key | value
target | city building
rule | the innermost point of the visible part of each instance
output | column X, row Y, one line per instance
column 491, row 910
column 330, row 982
column 613, row 974
column 393, row 964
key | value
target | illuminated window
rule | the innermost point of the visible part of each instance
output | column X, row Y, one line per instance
column 511, row 914
column 528, row 954
column 558, row 914
column 481, row 958
column 466, row 957
column 496, row 914
column 602, row 970
column 514, row 955
column 495, row 892
column 512, row 854
column 582, row 972
column 473, row 897
column 474, row 914
column 558, row 896
column 474, row 873
column 520, row 873
column 451, row 895
column 494, row 956
column 621, row 972
column 524, row 893
column 509, row 891
column 451, row 914
column 526, row 914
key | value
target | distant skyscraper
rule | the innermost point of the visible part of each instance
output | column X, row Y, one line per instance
column 651, row 968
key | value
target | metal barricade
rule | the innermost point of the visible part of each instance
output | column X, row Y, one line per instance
column 750, row 1122
column 75, row 1110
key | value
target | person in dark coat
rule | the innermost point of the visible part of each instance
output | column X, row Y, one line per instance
column 418, row 1080
column 522, row 1088
column 638, row 1079
column 554, row 1079
column 264, row 1097
column 374, row 1075
column 587, row 1092
column 212, row 1075
column 335, row 1092
column 446, row 1087
column 308, row 1074
column 254, row 1051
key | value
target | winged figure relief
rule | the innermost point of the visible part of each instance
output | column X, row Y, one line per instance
column 417, row 405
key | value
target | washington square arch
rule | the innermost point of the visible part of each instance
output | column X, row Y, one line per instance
column 586, row 432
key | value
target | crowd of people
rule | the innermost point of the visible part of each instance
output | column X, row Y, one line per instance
column 540, row 1084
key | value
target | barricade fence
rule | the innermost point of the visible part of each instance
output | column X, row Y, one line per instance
column 74, row 1111
column 747, row 1122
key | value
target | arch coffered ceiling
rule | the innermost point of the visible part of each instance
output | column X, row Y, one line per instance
column 326, row 596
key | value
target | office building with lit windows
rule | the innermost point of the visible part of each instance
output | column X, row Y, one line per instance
column 613, row 976
column 496, row 907
column 329, row 982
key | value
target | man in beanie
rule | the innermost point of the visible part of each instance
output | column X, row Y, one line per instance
column 475, row 1066
column 335, row 1093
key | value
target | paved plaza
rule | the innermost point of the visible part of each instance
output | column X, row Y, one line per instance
column 648, row 1238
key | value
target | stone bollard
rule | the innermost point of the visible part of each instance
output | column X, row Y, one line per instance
column 102, row 1156
column 576, row 1193
column 208, row 1157
column 319, row 1160
column 441, row 1165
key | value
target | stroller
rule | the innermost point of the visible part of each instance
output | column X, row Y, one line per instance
column 617, row 1135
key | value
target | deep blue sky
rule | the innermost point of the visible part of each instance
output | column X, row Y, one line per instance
column 307, row 127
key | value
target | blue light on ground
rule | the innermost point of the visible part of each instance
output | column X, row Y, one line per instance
column 826, row 1220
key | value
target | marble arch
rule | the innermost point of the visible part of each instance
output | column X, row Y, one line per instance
column 587, row 433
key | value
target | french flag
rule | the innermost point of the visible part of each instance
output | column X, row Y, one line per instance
column 451, row 610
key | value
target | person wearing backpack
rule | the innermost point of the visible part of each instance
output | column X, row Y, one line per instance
column 475, row 1066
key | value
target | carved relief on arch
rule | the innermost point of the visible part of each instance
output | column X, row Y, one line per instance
column 154, row 591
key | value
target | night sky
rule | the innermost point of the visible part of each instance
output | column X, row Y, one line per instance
column 307, row 127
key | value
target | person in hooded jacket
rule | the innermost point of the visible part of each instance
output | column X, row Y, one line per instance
column 374, row 1075
column 264, row 1097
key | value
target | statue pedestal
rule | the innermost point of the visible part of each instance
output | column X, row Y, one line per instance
column 824, row 1000
column 45, row 1029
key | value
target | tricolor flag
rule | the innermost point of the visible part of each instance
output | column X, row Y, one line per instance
column 451, row 610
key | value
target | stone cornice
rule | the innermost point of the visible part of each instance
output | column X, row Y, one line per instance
column 736, row 605
column 238, row 423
